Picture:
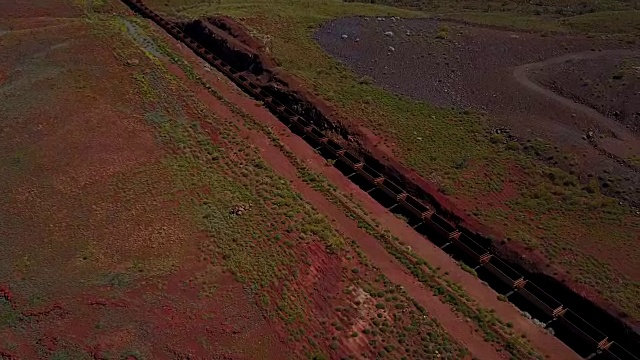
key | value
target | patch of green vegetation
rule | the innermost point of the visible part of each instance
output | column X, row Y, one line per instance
column 443, row 32
column 70, row 353
column 468, row 269
column 225, row 176
column 18, row 162
column 117, row 280
column 242, row 241
column 634, row 161
column 607, row 22
column 9, row 317
column 417, row 335
column 544, row 16
column 132, row 353
column 543, row 7
column 287, row 9
column 318, row 356
column 509, row 20
column 617, row 16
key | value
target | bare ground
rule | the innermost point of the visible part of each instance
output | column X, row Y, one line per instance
column 451, row 64
column 609, row 84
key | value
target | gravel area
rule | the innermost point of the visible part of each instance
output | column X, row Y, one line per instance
column 528, row 83
column 608, row 84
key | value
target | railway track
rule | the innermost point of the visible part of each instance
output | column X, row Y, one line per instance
column 585, row 338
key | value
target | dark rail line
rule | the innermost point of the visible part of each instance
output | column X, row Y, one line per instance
column 581, row 336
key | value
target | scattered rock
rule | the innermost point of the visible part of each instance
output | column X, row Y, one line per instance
column 133, row 62
column 344, row 36
column 388, row 33
column 391, row 49
column 380, row 19
column 239, row 209
column 501, row 130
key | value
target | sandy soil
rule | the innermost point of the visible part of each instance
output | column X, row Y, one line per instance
column 450, row 64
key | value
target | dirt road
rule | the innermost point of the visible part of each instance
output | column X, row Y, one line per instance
column 623, row 140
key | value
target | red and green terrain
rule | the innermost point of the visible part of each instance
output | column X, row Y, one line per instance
column 151, row 210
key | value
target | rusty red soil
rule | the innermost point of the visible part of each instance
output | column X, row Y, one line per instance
column 176, row 321
column 75, row 138
column 462, row 330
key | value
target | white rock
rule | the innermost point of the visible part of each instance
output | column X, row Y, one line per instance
column 391, row 49
column 388, row 33
column 344, row 36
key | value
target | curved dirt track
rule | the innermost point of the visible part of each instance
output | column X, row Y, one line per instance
column 521, row 72
column 612, row 88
